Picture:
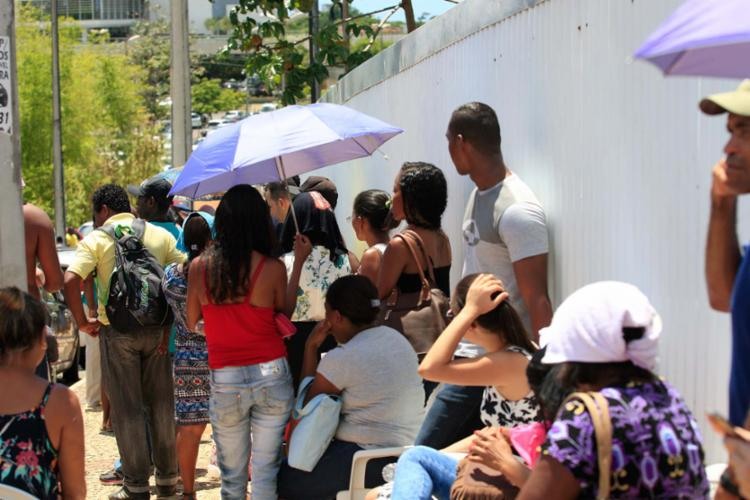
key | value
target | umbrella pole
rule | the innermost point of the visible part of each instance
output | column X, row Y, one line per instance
column 282, row 174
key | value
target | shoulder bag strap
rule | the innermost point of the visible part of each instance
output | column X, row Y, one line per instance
column 299, row 403
column 108, row 230
column 425, row 284
column 604, row 442
column 139, row 228
column 430, row 267
column 598, row 408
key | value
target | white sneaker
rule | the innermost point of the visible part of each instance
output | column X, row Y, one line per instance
column 95, row 406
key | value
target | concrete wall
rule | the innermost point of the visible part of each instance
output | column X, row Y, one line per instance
column 199, row 11
column 619, row 156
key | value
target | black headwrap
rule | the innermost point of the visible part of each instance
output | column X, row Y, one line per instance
column 317, row 223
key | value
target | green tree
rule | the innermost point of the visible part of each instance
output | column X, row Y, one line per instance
column 107, row 132
column 151, row 51
column 283, row 62
column 149, row 48
column 209, row 97
column 223, row 65
column 220, row 26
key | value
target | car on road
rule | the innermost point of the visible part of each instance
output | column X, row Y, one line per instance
column 65, row 333
column 195, row 120
column 86, row 228
column 256, row 87
column 217, row 123
column 267, row 107
column 234, row 85
column 234, row 115
column 214, row 125
column 63, row 362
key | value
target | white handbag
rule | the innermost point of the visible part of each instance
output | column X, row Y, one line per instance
column 318, row 421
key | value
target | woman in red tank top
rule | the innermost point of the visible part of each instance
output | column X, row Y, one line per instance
column 237, row 288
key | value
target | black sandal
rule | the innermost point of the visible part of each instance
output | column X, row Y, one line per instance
column 189, row 496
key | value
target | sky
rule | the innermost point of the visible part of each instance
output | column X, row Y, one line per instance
column 434, row 7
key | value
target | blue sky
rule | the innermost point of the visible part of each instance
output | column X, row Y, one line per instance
column 434, row 7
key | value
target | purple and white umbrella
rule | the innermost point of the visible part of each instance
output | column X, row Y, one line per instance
column 269, row 147
column 703, row 38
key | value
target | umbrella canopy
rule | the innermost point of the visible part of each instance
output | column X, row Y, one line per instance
column 270, row 146
column 170, row 174
column 703, row 38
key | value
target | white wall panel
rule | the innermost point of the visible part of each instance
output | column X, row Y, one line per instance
column 619, row 156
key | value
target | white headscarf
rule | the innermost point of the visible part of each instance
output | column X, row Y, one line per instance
column 588, row 327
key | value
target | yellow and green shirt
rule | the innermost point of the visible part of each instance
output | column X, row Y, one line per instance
column 97, row 251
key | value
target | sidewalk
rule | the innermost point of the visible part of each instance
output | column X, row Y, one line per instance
column 101, row 452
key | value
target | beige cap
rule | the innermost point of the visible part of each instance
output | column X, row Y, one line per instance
column 737, row 102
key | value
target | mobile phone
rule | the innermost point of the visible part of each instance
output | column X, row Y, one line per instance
column 721, row 425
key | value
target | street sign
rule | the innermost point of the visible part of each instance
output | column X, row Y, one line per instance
column 6, row 106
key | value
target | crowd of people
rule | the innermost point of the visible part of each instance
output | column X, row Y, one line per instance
column 264, row 295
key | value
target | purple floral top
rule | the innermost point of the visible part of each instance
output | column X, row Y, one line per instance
column 656, row 445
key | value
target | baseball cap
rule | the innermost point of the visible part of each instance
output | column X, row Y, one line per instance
column 591, row 326
column 322, row 185
column 181, row 207
column 737, row 101
column 156, row 187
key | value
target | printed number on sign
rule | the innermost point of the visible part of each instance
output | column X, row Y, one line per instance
column 4, row 116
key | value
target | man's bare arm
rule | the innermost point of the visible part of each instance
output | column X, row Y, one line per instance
column 531, row 277
column 88, row 292
column 48, row 260
column 40, row 243
column 72, row 292
column 722, row 247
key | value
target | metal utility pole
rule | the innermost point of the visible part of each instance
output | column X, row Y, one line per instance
column 314, row 28
column 182, row 133
column 12, row 255
column 57, row 158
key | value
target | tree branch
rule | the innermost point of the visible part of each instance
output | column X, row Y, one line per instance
column 411, row 23
column 394, row 8
column 380, row 27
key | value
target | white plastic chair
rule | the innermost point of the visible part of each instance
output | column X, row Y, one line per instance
column 11, row 493
column 357, row 490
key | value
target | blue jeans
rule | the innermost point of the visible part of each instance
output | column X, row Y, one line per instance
column 453, row 415
column 243, row 398
column 330, row 475
column 422, row 472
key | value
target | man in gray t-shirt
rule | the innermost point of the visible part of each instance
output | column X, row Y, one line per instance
column 505, row 225
column 504, row 234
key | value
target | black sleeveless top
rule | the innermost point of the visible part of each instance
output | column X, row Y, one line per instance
column 409, row 282
column 26, row 453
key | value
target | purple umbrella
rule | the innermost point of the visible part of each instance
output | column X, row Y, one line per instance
column 272, row 146
column 703, row 38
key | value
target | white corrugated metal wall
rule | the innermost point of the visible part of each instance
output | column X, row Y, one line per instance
column 619, row 156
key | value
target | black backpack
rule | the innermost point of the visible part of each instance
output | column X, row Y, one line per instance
column 136, row 299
